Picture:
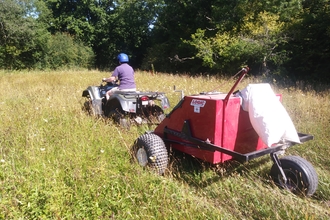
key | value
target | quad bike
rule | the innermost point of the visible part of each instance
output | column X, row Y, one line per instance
column 125, row 107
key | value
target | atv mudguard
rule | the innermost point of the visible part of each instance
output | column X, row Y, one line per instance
column 93, row 93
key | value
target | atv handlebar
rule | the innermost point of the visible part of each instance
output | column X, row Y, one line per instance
column 110, row 83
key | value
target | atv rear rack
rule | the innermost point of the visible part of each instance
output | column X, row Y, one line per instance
column 138, row 94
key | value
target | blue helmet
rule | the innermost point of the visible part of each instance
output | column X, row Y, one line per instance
column 123, row 58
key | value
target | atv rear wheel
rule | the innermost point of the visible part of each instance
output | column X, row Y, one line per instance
column 154, row 113
column 119, row 118
column 301, row 176
column 150, row 150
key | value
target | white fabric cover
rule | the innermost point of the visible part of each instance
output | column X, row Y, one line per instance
column 267, row 114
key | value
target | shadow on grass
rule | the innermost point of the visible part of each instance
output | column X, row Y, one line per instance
column 200, row 174
column 189, row 169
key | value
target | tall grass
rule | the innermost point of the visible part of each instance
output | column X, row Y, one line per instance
column 57, row 162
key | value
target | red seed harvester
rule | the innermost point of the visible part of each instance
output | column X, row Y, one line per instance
column 214, row 128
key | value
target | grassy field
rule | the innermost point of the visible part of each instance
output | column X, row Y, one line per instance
column 56, row 162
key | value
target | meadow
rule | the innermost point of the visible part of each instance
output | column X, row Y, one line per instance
column 57, row 162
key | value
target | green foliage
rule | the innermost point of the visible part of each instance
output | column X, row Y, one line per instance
column 311, row 42
column 109, row 27
column 175, row 23
column 290, row 37
column 63, row 51
column 16, row 35
column 254, row 44
column 287, row 38
column 25, row 42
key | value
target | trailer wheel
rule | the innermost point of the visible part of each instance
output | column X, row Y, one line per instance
column 150, row 150
column 301, row 176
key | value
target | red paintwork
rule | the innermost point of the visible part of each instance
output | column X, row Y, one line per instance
column 215, row 118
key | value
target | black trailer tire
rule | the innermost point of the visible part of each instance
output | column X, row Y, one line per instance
column 149, row 150
column 301, row 176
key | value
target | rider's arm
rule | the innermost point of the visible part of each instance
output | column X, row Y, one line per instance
column 113, row 77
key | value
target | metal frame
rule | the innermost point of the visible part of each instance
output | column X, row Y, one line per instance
column 185, row 134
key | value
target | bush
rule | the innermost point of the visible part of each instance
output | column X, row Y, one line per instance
column 63, row 51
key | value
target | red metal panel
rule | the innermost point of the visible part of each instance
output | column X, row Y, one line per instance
column 247, row 138
column 212, row 118
column 204, row 113
column 230, row 129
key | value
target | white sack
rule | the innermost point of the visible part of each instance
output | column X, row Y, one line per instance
column 267, row 115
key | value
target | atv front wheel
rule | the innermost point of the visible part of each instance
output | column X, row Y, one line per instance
column 301, row 176
column 88, row 107
column 150, row 150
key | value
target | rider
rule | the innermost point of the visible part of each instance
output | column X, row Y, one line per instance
column 124, row 73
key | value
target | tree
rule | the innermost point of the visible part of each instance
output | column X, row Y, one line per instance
column 17, row 31
column 26, row 43
column 310, row 42
column 175, row 22
column 255, row 44
column 64, row 51
column 224, row 34
column 109, row 27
